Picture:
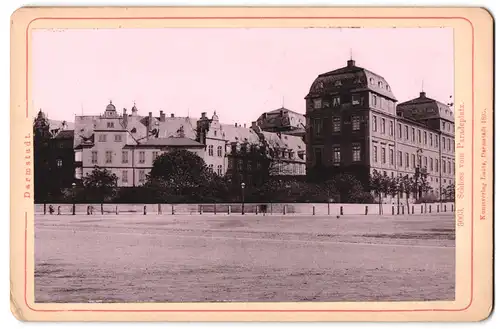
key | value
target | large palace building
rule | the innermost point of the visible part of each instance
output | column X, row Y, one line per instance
column 128, row 143
column 354, row 124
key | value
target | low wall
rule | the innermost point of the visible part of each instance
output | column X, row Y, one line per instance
column 332, row 209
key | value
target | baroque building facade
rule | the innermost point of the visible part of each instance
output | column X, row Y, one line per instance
column 354, row 125
column 128, row 143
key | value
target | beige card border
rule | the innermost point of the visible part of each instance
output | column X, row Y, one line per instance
column 473, row 37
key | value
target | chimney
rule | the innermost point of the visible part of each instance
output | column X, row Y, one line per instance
column 255, row 127
column 203, row 115
column 64, row 125
column 150, row 122
column 236, row 124
column 351, row 63
column 125, row 117
column 162, row 116
column 422, row 94
column 172, row 115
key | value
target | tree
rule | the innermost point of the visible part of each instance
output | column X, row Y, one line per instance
column 41, row 157
column 179, row 175
column 406, row 186
column 449, row 192
column 100, row 184
column 421, row 183
column 379, row 184
column 349, row 188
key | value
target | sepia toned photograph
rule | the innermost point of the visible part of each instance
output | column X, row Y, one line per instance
column 243, row 165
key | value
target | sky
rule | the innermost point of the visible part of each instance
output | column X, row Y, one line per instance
column 239, row 73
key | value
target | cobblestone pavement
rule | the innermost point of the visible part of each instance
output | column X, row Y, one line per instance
column 134, row 258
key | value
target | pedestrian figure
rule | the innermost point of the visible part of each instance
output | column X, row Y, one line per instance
column 51, row 210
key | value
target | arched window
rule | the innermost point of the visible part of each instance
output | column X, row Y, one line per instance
column 210, row 150
column 211, row 167
column 219, row 170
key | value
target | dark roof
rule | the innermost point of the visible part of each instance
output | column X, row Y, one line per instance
column 172, row 141
column 65, row 134
column 352, row 77
column 435, row 109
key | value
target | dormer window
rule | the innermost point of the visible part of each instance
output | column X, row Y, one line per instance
column 372, row 81
column 133, row 130
column 380, row 84
column 336, row 101
column 317, row 103
column 110, row 124
column 356, row 99
column 338, row 83
column 388, row 88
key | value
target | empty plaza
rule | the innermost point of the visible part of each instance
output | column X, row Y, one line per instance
column 244, row 258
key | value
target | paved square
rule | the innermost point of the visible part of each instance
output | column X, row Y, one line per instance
column 255, row 258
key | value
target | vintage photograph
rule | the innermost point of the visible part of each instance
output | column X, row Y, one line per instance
column 243, row 165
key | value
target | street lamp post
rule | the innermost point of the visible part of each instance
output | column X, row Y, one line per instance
column 73, row 195
column 242, row 198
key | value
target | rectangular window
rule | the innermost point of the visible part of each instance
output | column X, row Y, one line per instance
column 317, row 127
column 419, row 135
column 419, row 161
column 400, row 158
column 125, row 176
column 142, row 176
column 413, row 134
column 336, row 154
column 318, row 156
column 336, row 124
column 382, row 126
column 449, row 144
column 155, row 155
column 431, row 162
column 425, row 162
column 94, row 156
column 355, row 122
column 336, row 101
column 437, row 141
column 407, row 136
column 437, row 165
column 391, row 156
column 317, row 103
column 400, row 133
column 118, row 138
column 142, row 157
column 425, row 138
column 356, row 152
column 449, row 167
column 430, row 138
column 109, row 157
column 413, row 164
column 443, row 144
column 124, row 156
column 374, row 100
column 102, row 138
column 219, row 170
column 407, row 160
column 375, row 155
column 356, row 99
column 374, row 123
column 443, row 162
column 391, row 128
column 382, row 154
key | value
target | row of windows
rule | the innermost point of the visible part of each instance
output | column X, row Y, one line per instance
column 355, row 100
column 125, row 157
column 219, row 169
column 142, row 176
column 103, row 138
column 423, row 161
column 417, row 135
column 211, row 151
